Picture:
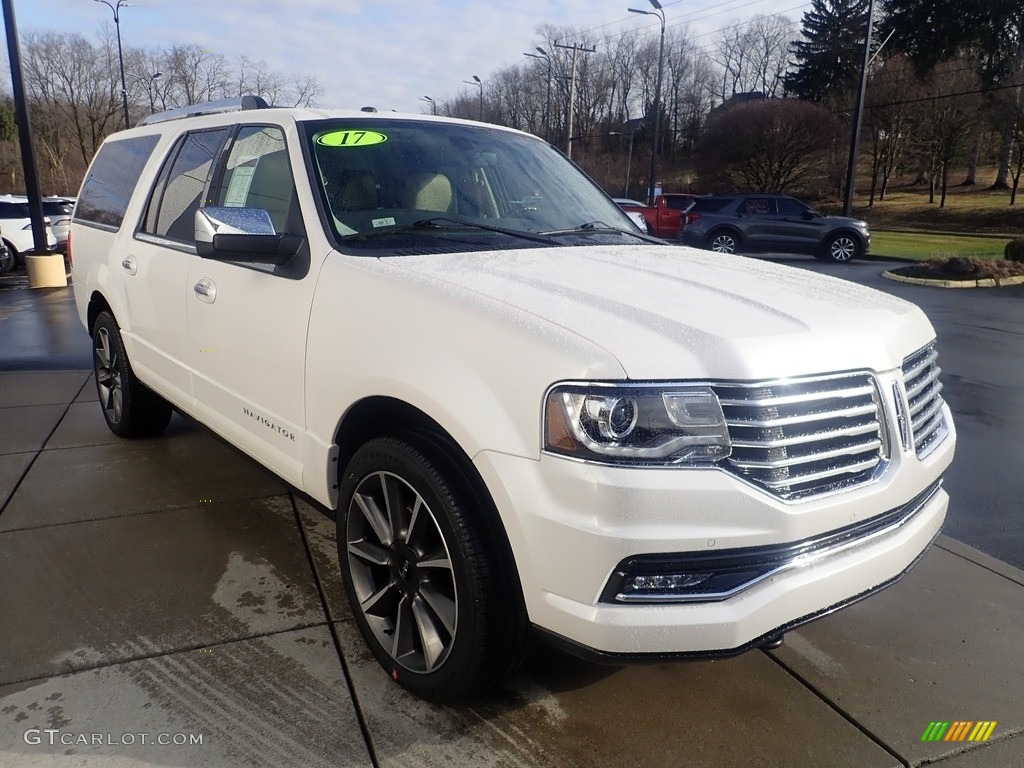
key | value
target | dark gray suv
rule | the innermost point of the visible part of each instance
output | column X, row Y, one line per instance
column 751, row 223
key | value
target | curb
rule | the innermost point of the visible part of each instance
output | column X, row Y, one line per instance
column 988, row 282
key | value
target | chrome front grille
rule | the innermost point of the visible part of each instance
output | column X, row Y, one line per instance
column 803, row 437
column 924, row 400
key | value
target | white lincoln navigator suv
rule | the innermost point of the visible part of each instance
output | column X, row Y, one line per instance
column 527, row 417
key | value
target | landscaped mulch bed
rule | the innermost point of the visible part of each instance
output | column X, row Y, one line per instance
column 960, row 268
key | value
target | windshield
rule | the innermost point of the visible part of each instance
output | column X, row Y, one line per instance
column 386, row 183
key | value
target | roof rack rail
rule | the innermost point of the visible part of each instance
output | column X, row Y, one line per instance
column 209, row 108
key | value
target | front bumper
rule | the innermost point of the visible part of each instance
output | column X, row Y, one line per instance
column 572, row 524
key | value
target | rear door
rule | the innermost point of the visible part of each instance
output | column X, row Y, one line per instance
column 759, row 220
column 156, row 264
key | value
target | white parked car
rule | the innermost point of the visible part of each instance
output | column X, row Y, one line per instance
column 525, row 422
column 16, row 227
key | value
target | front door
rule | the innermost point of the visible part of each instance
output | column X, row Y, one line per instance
column 247, row 322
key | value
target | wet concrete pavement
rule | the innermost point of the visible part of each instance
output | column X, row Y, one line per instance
column 172, row 590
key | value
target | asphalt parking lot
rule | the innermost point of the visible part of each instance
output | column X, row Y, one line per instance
column 172, row 588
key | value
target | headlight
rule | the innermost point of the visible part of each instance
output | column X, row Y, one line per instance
column 636, row 424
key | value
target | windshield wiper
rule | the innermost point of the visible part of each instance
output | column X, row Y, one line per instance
column 600, row 228
column 435, row 223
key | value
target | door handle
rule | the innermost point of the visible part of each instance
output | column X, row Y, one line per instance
column 206, row 290
column 130, row 265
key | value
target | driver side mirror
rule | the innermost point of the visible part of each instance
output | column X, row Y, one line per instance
column 242, row 234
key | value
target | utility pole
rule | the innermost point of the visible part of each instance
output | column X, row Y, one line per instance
column 858, row 113
column 576, row 49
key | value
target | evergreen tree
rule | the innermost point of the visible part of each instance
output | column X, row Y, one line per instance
column 829, row 57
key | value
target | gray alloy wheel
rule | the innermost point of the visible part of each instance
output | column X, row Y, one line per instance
column 129, row 407
column 427, row 568
column 109, row 385
column 843, row 248
column 723, row 242
column 401, row 572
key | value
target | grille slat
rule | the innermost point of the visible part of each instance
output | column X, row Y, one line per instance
column 804, row 437
column 924, row 399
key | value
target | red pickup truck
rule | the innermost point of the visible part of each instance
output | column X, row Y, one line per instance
column 665, row 217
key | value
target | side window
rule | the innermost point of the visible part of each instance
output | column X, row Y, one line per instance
column 257, row 175
column 759, row 206
column 111, row 181
column 180, row 186
column 789, row 207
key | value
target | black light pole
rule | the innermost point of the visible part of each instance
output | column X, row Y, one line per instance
column 547, row 104
column 116, row 8
column 476, row 81
column 28, row 152
column 858, row 113
column 433, row 104
column 657, row 91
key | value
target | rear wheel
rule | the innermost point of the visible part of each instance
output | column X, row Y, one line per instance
column 842, row 248
column 426, row 578
column 129, row 407
column 724, row 241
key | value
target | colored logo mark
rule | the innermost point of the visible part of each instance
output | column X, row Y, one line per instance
column 959, row 730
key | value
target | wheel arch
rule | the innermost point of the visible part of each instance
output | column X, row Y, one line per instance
column 97, row 304
column 379, row 415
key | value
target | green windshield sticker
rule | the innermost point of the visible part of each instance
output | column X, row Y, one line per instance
column 350, row 138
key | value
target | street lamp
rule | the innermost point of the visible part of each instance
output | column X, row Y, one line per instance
column 116, row 8
column 433, row 104
column 629, row 158
column 542, row 54
column 476, row 81
column 149, row 87
column 657, row 90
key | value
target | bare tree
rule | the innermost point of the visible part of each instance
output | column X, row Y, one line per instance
column 77, row 96
column 767, row 146
column 890, row 95
column 944, row 121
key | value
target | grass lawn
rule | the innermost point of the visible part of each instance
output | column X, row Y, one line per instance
column 917, row 246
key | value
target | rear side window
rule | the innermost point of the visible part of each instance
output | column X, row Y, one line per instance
column 709, row 204
column 759, row 206
column 112, row 177
column 678, row 203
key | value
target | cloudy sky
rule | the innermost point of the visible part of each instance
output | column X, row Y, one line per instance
column 387, row 53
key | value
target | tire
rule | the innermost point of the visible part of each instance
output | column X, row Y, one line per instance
column 16, row 259
column 842, row 248
column 129, row 407
column 7, row 260
column 723, row 241
column 430, row 585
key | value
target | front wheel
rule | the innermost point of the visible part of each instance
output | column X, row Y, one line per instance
column 129, row 407
column 422, row 573
column 7, row 259
column 842, row 248
column 723, row 242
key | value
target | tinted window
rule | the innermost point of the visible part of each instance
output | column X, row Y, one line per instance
column 759, row 206
column 57, row 210
column 790, row 207
column 709, row 204
column 173, row 205
column 13, row 210
column 112, row 177
column 678, row 203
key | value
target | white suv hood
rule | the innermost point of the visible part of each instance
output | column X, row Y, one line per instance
column 674, row 312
